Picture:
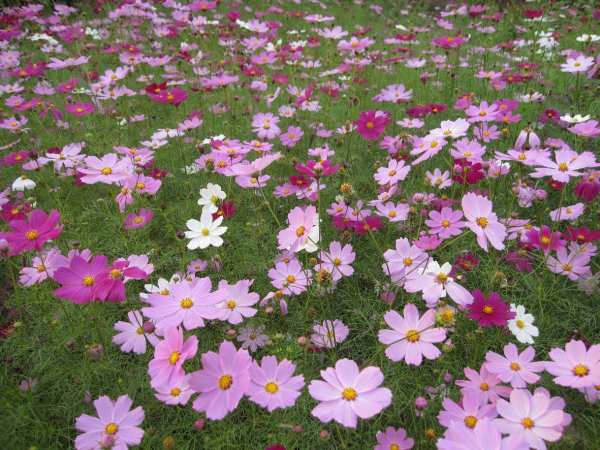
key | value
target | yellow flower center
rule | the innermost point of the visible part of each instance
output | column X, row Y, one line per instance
column 106, row 171
column 407, row 261
column 271, row 388
column 32, row 235
column 563, row 167
column 291, row 279
column 164, row 292
column 488, row 309
column 413, row 336
column 567, row 267
column 442, row 277
column 138, row 219
column 139, row 185
column 392, row 172
column 231, row 304
column 484, row 387
column 482, row 222
column 520, row 324
column 79, row 110
column 225, row 382
column 580, row 370
column 175, row 392
column 205, row 231
column 394, row 447
column 349, row 394
column 139, row 330
column 392, row 214
column 514, row 366
column 300, row 231
column 40, row 268
column 370, row 125
column 471, row 421
column 88, row 280
column 445, row 223
column 174, row 358
column 186, row 303
column 111, row 428
column 527, row 423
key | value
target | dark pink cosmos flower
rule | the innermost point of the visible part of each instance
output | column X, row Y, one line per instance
column 80, row 279
column 110, row 284
column 139, row 219
column 448, row 42
column 582, row 235
column 79, row 109
column 15, row 158
column 466, row 172
column 368, row 224
column 316, row 169
column 545, row 239
column 520, row 261
column 371, row 124
column 490, row 311
column 14, row 211
column 32, row 233
column 173, row 96
column 588, row 189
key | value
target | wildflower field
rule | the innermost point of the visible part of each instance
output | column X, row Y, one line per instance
column 299, row 224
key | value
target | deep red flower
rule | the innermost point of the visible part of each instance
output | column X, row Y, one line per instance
column 581, row 235
column 466, row 262
column 371, row 223
column 227, row 210
column 466, row 172
column 489, row 311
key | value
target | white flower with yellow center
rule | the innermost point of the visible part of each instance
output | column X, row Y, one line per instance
column 522, row 325
column 205, row 232
column 210, row 196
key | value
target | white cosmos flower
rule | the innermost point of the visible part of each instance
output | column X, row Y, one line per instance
column 205, row 232
column 522, row 325
column 210, row 196
column 577, row 118
column 23, row 184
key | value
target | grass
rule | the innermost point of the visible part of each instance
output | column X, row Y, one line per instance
column 51, row 337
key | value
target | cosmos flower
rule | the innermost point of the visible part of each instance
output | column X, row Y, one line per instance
column 273, row 385
column 489, row 311
column 206, row 232
column 32, row 233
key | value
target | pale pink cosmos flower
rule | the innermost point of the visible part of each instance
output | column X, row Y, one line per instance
column 435, row 282
column 116, row 427
column 132, row 337
column 169, row 356
column 445, row 223
column 569, row 213
column 300, row 223
column 394, row 172
column 265, row 126
column 517, row 369
column 404, row 261
column 487, row 385
column 482, row 221
column 411, row 337
column 109, row 169
column 222, row 382
column 290, row 277
column 530, row 417
column 42, row 267
column 469, row 412
column 176, row 391
column 482, row 113
column 566, row 164
column 393, row 438
column 338, row 259
column 581, row 63
column 329, row 333
column 572, row 263
column 485, row 436
column 347, row 393
column 188, row 303
column 394, row 212
column 235, row 300
column 576, row 366
column 427, row 147
column 438, row 179
column 273, row 385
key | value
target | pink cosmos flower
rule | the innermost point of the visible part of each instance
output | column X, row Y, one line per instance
column 576, row 366
column 572, row 263
column 482, row 221
column 395, row 171
column 80, row 279
column 544, row 239
column 485, row 436
column 579, row 64
column 470, row 411
column 566, row 164
column 435, row 282
column 394, row 212
column 117, row 426
column 174, row 96
column 329, row 333
column 169, row 356
column 487, row 385
column 291, row 137
column 138, row 220
column 235, row 301
column 530, row 417
column 32, row 233
column 570, row 213
column 489, row 311
column 411, row 336
column 371, row 124
column 393, row 438
column 337, row 260
column 404, row 262
column 188, row 303
column 482, row 113
column 111, row 283
column 79, row 109
column 222, row 382
column 176, row 391
column 300, row 223
column 109, row 169
column 273, row 385
column 265, row 126
column 445, row 223
column 588, row 129
column 42, row 267
column 517, row 369
column 132, row 336
column 448, row 42
column 348, row 393
column 290, row 277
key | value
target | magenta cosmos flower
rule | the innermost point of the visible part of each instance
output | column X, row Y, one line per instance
column 371, row 124
column 115, row 427
column 575, row 366
column 273, row 385
column 448, row 42
column 32, row 233
column 222, row 382
column 411, row 336
column 514, row 368
column 139, row 219
column 169, row 356
column 348, row 393
column 534, row 418
column 483, row 222
column 80, row 279
column 79, row 109
column 394, row 439
column 489, row 311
